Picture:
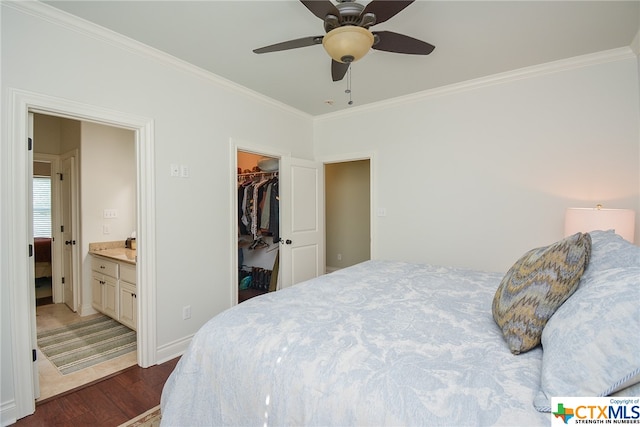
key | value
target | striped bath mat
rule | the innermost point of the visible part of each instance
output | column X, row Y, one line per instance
column 87, row 343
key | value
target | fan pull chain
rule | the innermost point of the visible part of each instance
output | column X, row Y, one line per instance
column 348, row 90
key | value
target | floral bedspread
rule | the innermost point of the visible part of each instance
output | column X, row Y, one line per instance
column 379, row 343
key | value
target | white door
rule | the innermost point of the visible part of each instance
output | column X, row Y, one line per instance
column 68, row 238
column 32, row 280
column 302, row 220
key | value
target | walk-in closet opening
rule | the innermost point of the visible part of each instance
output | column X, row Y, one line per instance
column 258, row 224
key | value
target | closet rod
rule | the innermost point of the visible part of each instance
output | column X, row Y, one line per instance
column 257, row 173
column 253, row 174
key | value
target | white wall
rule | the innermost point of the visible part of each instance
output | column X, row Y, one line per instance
column 107, row 181
column 194, row 118
column 46, row 134
column 476, row 175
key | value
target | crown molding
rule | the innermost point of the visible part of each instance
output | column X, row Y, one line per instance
column 89, row 29
column 611, row 55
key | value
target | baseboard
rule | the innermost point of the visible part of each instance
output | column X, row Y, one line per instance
column 331, row 269
column 8, row 413
column 86, row 310
column 173, row 349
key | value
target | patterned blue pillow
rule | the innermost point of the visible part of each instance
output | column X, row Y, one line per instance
column 533, row 289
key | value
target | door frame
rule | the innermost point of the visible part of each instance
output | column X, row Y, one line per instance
column 16, row 211
column 373, row 217
column 76, row 258
column 236, row 145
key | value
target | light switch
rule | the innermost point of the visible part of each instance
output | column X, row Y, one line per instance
column 175, row 170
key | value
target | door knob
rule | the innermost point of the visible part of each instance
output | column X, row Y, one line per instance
column 288, row 241
column 69, row 242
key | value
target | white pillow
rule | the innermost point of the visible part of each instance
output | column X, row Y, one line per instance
column 591, row 345
column 609, row 250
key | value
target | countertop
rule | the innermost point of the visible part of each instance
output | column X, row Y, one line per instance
column 114, row 250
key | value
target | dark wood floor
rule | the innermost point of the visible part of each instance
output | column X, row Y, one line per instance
column 108, row 402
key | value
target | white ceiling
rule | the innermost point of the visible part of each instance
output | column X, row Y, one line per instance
column 472, row 38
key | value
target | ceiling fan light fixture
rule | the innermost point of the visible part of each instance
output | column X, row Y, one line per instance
column 347, row 44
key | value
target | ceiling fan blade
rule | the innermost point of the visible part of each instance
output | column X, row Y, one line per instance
column 338, row 70
column 385, row 9
column 399, row 43
column 321, row 8
column 291, row 44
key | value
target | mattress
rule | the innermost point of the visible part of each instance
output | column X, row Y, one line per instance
column 42, row 256
column 379, row 343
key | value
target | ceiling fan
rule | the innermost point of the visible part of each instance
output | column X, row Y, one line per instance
column 348, row 37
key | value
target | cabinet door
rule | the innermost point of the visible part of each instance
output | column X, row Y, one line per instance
column 110, row 297
column 96, row 291
column 128, row 305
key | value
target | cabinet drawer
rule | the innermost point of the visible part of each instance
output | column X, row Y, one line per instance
column 104, row 266
column 128, row 273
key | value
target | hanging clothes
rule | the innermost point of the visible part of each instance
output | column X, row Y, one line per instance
column 258, row 208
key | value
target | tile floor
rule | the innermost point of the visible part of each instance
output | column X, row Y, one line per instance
column 53, row 382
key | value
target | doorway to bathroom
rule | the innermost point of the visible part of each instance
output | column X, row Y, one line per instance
column 61, row 235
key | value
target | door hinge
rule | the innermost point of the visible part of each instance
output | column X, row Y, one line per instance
column 61, row 176
column 34, row 354
column 29, row 144
column 63, row 280
column 62, row 228
column 30, row 250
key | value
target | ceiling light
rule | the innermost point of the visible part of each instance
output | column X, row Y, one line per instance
column 347, row 44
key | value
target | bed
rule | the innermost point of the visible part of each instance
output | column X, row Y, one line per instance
column 42, row 256
column 397, row 343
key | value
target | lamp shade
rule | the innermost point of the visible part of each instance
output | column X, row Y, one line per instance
column 347, row 44
column 622, row 221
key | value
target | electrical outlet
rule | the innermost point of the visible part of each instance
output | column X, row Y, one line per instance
column 186, row 312
column 339, row 257
column 106, row 229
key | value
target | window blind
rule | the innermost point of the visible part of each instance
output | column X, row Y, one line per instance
column 42, row 206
